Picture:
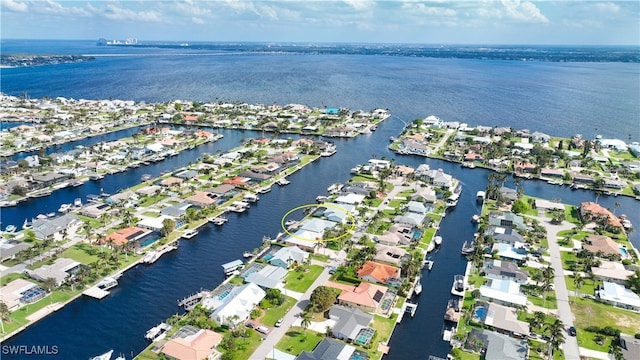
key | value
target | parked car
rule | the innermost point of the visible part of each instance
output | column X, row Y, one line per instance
column 262, row 330
column 279, row 322
column 249, row 325
column 332, row 270
column 572, row 331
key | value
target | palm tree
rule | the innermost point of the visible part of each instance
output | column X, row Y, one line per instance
column 4, row 310
column 49, row 284
column 556, row 336
column 547, row 274
column 86, row 226
column 306, row 320
column 578, row 281
column 538, row 319
column 614, row 349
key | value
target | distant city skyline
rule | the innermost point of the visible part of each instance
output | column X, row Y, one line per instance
column 392, row 21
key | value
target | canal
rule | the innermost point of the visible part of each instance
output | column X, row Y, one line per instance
column 148, row 294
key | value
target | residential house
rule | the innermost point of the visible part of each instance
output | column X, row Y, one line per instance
column 10, row 247
column 195, row 344
column 56, row 228
column 349, row 322
column 510, row 195
column 268, row 277
column 328, row 349
column 60, row 270
column 504, row 270
column 590, row 211
column 506, row 219
column 236, row 306
column 391, row 254
column 499, row 346
column 612, row 271
column 516, row 252
column 289, row 255
column 177, row 210
column 618, row 295
column 20, row 292
column 505, row 320
column 378, row 273
column 601, row 243
column 125, row 236
column 505, row 292
column 202, row 199
column 505, row 235
column 366, row 296
column 397, row 234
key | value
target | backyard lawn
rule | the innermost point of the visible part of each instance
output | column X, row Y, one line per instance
column 297, row 340
column 82, row 253
column 302, row 281
column 272, row 315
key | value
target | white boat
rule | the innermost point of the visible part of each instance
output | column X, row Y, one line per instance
column 334, row 188
column 283, row 181
column 239, row 206
column 189, row 233
column 77, row 203
column 64, row 208
column 467, row 248
column 157, row 332
column 150, row 257
column 428, row 264
column 105, row 356
column 437, row 240
column 321, row 198
column 264, row 190
column 458, row 285
column 418, row 288
column 249, row 197
column 475, row 218
column 218, row 220
column 247, row 254
column 27, row 224
column 328, row 152
column 107, row 283
column 51, row 214
column 145, row 177
column 10, row 228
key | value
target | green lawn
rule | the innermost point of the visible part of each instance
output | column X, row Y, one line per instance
column 94, row 222
column 10, row 277
column 272, row 315
column 587, row 288
column 82, row 253
column 589, row 312
column 297, row 340
column 150, row 200
column 550, row 303
column 301, row 281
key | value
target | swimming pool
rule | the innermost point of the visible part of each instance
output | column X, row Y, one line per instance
column 267, row 257
column 224, row 295
column 481, row 313
column 149, row 239
column 624, row 253
column 364, row 336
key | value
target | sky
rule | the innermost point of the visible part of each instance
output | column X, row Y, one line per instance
column 391, row 21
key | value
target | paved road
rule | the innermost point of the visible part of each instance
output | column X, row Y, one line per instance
column 266, row 349
column 570, row 346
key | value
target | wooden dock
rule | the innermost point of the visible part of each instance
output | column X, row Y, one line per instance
column 96, row 293
column 191, row 301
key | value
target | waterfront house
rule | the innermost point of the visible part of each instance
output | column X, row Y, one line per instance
column 47, row 179
column 505, row 320
column 508, row 194
column 153, row 223
column 505, row 235
column 125, row 236
column 618, row 295
column 94, row 210
column 552, row 173
column 224, row 190
column 366, row 296
column 349, row 322
column 329, row 349
column 317, row 227
column 202, row 199
column 399, row 233
column 506, row 219
column 425, row 194
column 350, row 199
column 378, row 273
column 601, row 244
column 339, row 213
column 186, row 174
column 60, row 270
column 177, row 210
column 56, row 228
column 190, row 343
column 410, row 219
column 498, row 346
column 505, row 292
column 238, row 302
column 439, row 179
column 171, row 181
column 416, row 207
column 515, row 252
column 503, row 270
column 289, row 255
column 150, row 190
column 269, row 277
column 391, row 255
column 612, row 271
column 20, row 292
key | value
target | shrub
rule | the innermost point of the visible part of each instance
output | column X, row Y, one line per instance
column 610, row 331
column 637, row 336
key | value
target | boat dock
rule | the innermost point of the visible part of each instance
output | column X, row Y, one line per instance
column 191, row 301
column 100, row 290
column 96, row 293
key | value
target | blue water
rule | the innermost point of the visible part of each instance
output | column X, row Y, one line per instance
column 553, row 97
column 624, row 253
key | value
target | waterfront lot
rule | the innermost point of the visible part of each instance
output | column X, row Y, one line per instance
column 297, row 340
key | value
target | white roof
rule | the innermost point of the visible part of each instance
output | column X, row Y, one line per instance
column 240, row 301
column 619, row 294
column 350, row 199
column 503, row 290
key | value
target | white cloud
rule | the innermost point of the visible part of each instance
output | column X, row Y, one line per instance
column 197, row 20
column 11, row 5
column 424, row 9
column 114, row 12
column 359, row 4
column 607, row 7
column 523, row 11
